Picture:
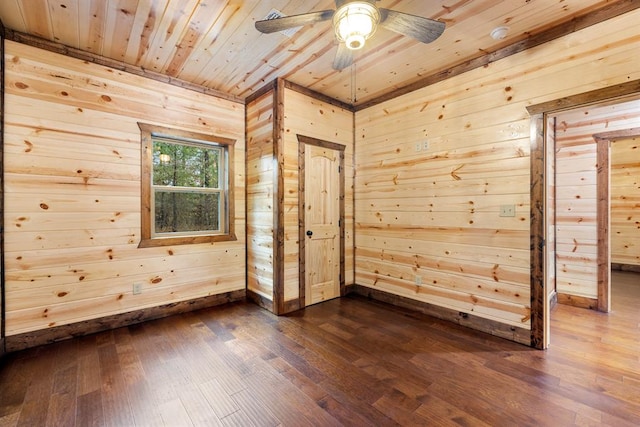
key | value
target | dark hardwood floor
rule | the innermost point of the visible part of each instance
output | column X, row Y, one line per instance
column 345, row 362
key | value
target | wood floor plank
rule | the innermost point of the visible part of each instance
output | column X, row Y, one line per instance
column 221, row 403
column 36, row 400
column 173, row 413
column 349, row 361
column 89, row 409
column 400, row 408
column 255, row 409
column 115, row 403
column 343, row 415
column 197, row 406
column 62, row 404
column 439, row 412
column 14, row 383
column 142, row 399
column 288, row 405
column 238, row 418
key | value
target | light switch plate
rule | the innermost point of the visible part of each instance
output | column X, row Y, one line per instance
column 508, row 210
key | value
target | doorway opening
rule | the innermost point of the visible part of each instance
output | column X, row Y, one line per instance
column 618, row 202
column 546, row 244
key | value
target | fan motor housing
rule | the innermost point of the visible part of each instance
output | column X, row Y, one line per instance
column 354, row 22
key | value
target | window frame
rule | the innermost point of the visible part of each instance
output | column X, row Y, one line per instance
column 148, row 238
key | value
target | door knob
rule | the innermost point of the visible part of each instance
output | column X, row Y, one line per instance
column 309, row 233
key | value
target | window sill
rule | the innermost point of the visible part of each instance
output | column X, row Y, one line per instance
column 185, row 240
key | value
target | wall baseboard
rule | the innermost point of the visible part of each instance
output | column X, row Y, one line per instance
column 260, row 300
column 512, row 333
column 291, row 306
column 625, row 267
column 64, row 332
column 578, row 301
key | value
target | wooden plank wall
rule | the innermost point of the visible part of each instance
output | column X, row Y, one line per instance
column 427, row 220
column 577, row 192
column 261, row 173
column 72, row 181
column 309, row 116
column 2, row 280
column 625, row 201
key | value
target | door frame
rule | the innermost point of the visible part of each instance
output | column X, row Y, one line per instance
column 303, row 140
column 540, row 310
column 603, row 184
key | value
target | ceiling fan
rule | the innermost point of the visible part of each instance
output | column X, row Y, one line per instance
column 354, row 21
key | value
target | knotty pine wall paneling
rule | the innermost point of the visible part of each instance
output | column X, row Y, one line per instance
column 261, row 200
column 577, row 194
column 428, row 224
column 72, row 181
column 625, row 202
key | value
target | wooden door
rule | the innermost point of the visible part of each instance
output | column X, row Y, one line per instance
column 321, row 222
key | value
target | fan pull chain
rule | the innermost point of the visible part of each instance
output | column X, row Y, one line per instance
column 353, row 83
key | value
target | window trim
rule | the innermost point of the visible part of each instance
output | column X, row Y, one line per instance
column 147, row 133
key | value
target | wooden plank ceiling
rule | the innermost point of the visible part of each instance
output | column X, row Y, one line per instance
column 213, row 43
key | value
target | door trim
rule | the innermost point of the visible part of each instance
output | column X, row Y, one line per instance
column 539, row 304
column 604, row 141
column 302, row 141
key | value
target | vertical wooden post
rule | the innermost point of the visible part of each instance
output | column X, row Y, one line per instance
column 604, row 224
column 2, row 296
column 278, row 199
column 538, row 293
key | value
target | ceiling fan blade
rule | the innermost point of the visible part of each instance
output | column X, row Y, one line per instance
column 344, row 57
column 286, row 22
column 423, row 29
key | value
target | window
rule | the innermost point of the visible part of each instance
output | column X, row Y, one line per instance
column 187, row 187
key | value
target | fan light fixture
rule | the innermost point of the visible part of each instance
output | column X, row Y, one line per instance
column 355, row 22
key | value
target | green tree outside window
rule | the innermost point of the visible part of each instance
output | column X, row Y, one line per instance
column 187, row 190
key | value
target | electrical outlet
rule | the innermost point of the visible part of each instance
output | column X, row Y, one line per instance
column 418, row 280
column 425, row 145
column 137, row 288
column 508, row 210
column 418, row 146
